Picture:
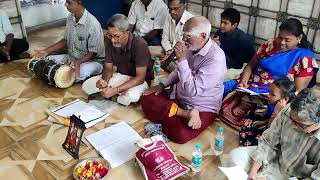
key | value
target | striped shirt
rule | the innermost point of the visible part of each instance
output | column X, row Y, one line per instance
column 84, row 36
column 295, row 153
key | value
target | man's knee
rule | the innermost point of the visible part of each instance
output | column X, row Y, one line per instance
column 180, row 138
column 146, row 100
column 177, row 130
column 25, row 45
column 90, row 69
column 179, row 135
column 20, row 45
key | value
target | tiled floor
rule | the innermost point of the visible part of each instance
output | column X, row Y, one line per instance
column 30, row 145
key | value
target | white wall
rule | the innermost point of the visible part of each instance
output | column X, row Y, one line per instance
column 43, row 13
column 261, row 18
column 12, row 8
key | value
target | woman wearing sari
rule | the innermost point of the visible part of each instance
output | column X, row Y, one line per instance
column 288, row 55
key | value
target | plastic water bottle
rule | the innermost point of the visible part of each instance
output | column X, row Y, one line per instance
column 196, row 159
column 157, row 66
column 219, row 141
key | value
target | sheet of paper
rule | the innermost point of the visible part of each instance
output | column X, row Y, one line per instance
column 89, row 114
column 121, row 152
column 105, row 105
column 116, row 143
column 234, row 173
column 92, row 123
column 110, row 135
column 70, row 108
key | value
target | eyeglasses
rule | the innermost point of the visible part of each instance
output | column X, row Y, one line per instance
column 303, row 126
column 115, row 37
column 186, row 36
column 175, row 8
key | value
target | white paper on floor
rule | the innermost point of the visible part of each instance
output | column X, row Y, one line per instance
column 234, row 173
column 105, row 105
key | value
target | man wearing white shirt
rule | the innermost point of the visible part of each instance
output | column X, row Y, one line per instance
column 172, row 30
column 10, row 47
column 146, row 18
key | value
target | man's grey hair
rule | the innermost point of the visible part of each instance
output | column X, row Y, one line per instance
column 198, row 25
column 118, row 21
column 306, row 104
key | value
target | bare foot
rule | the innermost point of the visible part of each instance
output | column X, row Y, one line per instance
column 194, row 119
column 24, row 55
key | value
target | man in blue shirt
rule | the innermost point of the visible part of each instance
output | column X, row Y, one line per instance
column 237, row 45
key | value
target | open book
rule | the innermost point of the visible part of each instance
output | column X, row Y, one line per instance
column 116, row 143
column 88, row 113
column 252, row 93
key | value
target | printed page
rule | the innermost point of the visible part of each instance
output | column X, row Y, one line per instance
column 121, row 152
column 70, row 108
column 111, row 135
column 86, row 112
column 115, row 143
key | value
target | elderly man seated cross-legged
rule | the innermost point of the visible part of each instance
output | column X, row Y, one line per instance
column 196, row 84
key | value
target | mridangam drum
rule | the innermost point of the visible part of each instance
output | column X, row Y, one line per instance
column 59, row 75
column 36, row 65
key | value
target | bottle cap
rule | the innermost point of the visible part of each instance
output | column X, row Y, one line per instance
column 221, row 129
column 198, row 146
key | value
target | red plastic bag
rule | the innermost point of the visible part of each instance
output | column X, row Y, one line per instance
column 157, row 161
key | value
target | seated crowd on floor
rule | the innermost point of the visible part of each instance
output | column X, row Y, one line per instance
column 284, row 141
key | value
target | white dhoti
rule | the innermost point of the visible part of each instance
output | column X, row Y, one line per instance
column 87, row 69
column 132, row 95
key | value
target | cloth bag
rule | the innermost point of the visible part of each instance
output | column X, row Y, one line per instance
column 237, row 106
column 157, row 161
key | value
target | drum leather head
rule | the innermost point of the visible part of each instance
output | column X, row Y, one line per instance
column 33, row 60
column 64, row 77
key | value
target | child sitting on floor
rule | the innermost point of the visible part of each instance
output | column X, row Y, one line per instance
column 281, row 92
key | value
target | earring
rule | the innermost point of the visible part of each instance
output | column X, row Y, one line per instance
column 299, row 42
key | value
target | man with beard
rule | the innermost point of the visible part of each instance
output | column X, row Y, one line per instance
column 129, row 53
column 197, row 85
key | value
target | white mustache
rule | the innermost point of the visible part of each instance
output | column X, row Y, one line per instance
column 116, row 45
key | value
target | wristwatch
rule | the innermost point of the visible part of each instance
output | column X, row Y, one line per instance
column 162, row 85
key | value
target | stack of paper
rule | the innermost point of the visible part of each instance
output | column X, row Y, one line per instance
column 88, row 113
column 116, row 143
